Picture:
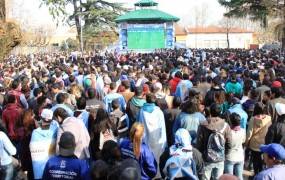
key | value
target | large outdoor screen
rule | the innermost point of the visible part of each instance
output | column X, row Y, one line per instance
column 146, row 36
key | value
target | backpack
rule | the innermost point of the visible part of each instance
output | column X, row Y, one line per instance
column 121, row 123
column 216, row 146
column 180, row 167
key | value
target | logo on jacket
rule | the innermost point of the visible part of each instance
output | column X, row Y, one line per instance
column 62, row 164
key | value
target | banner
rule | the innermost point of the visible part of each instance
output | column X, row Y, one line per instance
column 170, row 35
column 123, row 35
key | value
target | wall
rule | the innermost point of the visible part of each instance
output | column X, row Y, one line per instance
column 181, row 39
column 216, row 40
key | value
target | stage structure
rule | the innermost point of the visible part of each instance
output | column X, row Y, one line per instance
column 146, row 27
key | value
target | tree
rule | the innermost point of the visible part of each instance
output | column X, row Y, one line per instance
column 98, row 15
column 10, row 34
column 258, row 10
column 202, row 15
column 228, row 24
column 38, row 36
column 69, row 44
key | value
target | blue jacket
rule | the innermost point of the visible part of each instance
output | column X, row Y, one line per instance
column 146, row 160
column 190, row 122
column 274, row 172
column 237, row 108
column 59, row 167
column 112, row 96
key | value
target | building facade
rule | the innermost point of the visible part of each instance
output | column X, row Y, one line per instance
column 215, row 38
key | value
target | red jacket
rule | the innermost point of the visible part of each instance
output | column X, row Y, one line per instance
column 17, row 94
column 174, row 83
column 9, row 116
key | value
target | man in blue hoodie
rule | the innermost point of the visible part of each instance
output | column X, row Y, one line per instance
column 153, row 121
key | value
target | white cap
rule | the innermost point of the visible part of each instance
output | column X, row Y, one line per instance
column 157, row 85
column 280, row 108
column 47, row 114
column 125, row 67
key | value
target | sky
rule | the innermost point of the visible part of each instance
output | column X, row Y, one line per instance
column 184, row 9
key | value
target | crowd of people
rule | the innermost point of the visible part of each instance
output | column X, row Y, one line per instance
column 171, row 114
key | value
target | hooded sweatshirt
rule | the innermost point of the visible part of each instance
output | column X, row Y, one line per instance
column 9, row 116
column 174, row 83
column 206, row 128
column 182, row 145
column 82, row 138
column 256, row 132
column 153, row 121
column 133, row 107
column 234, row 87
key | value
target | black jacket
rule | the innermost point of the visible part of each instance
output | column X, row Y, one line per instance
column 133, row 107
column 170, row 117
column 276, row 132
column 210, row 96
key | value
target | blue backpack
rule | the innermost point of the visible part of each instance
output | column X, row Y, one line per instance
column 216, row 146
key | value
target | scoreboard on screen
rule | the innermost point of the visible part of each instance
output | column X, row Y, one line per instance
column 146, row 36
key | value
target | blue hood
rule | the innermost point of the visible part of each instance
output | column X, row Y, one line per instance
column 149, row 107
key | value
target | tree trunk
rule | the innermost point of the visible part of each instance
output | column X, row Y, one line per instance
column 283, row 36
column 228, row 41
column 2, row 11
column 77, row 19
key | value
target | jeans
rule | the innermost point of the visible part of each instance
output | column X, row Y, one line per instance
column 234, row 168
column 7, row 172
column 257, row 161
column 217, row 168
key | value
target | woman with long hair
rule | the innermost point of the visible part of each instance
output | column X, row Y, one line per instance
column 133, row 147
column 102, row 125
column 24, row 128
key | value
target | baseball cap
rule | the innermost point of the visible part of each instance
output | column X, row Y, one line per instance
column 157, row 85
column 124, row 77
column 280, row 108
column 66, row 144
column 125, row 67
column 275, row 150
column 47, row 115
column 276, row 84
column 130, row 170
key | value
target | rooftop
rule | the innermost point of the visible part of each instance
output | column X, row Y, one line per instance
column 210, row 30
